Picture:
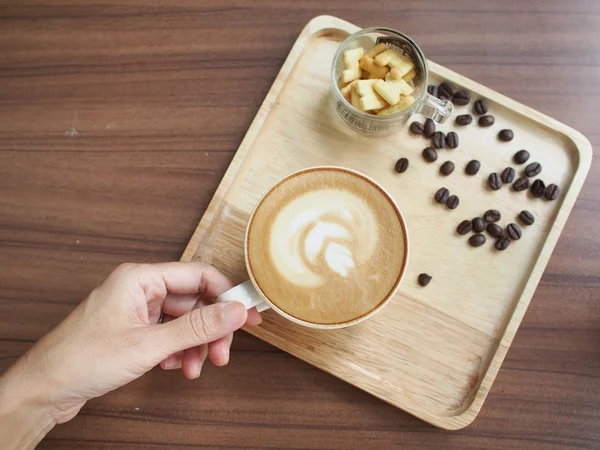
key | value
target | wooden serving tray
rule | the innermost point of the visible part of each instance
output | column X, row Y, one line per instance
column 434, row 351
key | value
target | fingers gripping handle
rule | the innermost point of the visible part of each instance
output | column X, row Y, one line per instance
column 244, row 293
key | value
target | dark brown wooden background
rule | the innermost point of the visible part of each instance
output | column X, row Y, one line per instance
column 117, row 121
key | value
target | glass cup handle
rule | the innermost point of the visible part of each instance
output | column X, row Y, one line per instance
column 436, row 109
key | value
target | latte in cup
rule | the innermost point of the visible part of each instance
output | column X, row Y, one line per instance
column 326, row 246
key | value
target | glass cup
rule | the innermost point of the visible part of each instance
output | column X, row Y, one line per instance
column 366, row 124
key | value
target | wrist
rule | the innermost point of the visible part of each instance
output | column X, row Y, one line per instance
column 26, row 416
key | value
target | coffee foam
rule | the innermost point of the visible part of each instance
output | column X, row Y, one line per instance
column 323, row 223
column 326, row 246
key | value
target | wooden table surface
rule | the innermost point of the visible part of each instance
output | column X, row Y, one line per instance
column 117, row 122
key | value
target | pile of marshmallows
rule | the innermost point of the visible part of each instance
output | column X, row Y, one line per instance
column 378, row 81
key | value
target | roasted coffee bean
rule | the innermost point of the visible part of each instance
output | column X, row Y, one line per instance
column 495, row 181
column 538, row 189
column 508, row 175
column 552, row 192
column 441, row 196
column 494, row 230
column 477, row 240
column 461, row 98
column 429, row 154
column 486, row 121
column 521, row 184
column 464, row 227
column 492, row 215
column 439, row 139
column 514, row 231
column 533, row 169
column 424, row 279
column 445, row 90
column 521, row 156
column 428, row 128
column 452, row 202
column 464, row 119
column 506, row 135
column 433, row 90
column 447, row 168
column 502, row 243
column 480, row 107
column 478, row 224
column 472, row 167
column 416, row 127
column 452, row 139
column 402, row 165
column 526, row 218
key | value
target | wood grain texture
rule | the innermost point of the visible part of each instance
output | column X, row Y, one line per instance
column 433, row 352
column 142, row 85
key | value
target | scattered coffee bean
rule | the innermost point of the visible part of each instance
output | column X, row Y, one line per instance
column 452, row 139
column 502, row 243
column 533, row 169
column 477, row 240
column 486, row 121
column 439, row 139
column 416, row 127
column 521, row 156
column 433, row 90
column 428, row 128
column 441, row 196
column 514, row 231
column 495, row 181
column 552, row 192
column 506, row 135
column 538, row 189
column 429, row 154
column 424, row 279
column 402, row 165
column 464, row 119
column 508, row 175
column 480, row 107
column 526, row 218
column 447, row 168
column 472, row 167
column 464, row 227
column 445, row 90
column 452, row 202
column 521, row 184
column 461, row 98
column 494, row 230
column 478, row 224
column 492, row 215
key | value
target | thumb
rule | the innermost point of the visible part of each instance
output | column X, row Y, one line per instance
column 199, row 326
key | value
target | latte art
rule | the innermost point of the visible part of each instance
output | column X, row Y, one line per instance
column 329, row 227
column 326, row 246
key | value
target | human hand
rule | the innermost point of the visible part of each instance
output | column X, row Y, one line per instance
column 113, row 337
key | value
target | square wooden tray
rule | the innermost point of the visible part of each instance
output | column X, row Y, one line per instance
column 434, row 351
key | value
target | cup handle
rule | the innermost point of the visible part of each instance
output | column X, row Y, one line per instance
column 436, row 109
column 244, row 293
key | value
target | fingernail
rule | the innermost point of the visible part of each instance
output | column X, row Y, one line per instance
column 231, row 312
column 169, row 363
column 198, row 371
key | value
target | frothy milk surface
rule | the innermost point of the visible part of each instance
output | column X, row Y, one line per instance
column 326, row 246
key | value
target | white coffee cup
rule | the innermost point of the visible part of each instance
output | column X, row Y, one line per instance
column 250, row 294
